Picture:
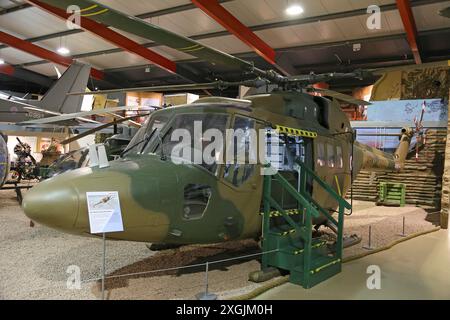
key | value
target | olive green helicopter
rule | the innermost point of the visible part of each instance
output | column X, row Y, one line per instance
column 201, row 203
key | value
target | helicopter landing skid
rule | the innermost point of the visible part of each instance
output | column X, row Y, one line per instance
column 162, row 246
column 264, row 275
column 349, row 241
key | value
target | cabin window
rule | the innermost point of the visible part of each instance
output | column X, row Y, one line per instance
column 242, row 165
column 320, row 154
column 195, row 138
column 339, row 157
column 331, row 161
column 196, row 198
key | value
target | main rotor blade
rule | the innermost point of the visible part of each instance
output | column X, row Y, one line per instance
column 77, row 115
column 106, row 125
column 379, row 134
column 182, row 87
column 108, row 16
column 342, row 97
column 326, row 77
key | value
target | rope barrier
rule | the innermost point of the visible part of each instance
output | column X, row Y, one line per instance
column 86, row 281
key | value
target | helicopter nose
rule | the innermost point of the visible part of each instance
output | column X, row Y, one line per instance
column 51, row 205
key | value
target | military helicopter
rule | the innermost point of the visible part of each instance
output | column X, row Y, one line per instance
column 189, row 203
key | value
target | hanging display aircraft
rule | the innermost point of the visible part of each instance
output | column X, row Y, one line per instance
column 55, row 101
column 56, row 108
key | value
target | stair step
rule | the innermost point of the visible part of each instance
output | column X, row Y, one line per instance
column 331, row 263
column 282, row 233
column 319, row 264
column 295, row 250
column 289, row 212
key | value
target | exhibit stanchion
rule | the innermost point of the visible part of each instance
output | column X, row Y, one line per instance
column 369, row 246
column 206, row 295
column 105, row 216
column 104, row 266
column 403, row 234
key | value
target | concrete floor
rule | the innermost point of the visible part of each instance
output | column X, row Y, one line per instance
column 416, row 269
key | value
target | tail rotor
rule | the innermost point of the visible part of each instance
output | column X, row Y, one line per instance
column 419, row 131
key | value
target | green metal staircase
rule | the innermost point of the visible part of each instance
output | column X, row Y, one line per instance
column 289, row 233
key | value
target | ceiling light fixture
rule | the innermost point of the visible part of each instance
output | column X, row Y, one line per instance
column 63, row 51
column 294, row 10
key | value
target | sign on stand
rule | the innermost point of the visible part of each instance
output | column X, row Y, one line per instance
column 104, row 216
column 104, row 212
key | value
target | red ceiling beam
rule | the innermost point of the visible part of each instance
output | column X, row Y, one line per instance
column 42, row 53
column 113, row 37
column 409, row 23
column 7, row 69
column 234, row 26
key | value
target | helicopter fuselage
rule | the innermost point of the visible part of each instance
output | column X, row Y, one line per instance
column 187, row 203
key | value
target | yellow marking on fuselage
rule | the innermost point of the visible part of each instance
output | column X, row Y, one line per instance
column 337, row 184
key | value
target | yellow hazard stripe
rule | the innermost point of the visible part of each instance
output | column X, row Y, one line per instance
column 317, row 245
column 296, row 132
column 94, row 13
column 325, row 266
column 89, row 8
column 289, row 212
column 285, row 233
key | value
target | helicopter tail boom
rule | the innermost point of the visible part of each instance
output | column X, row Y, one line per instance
column 377, row 160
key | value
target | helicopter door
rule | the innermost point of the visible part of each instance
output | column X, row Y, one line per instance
column 291, row 148
column 243, row 181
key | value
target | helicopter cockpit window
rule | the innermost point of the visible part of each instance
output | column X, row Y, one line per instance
column 320, row 154
column 70, row 161
column 195, row 136
column 196, row 198
column 147, row 134
column 339, row 157
column 240, row 170
column 330, row 156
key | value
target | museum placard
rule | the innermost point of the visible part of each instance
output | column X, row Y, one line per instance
column 104, row 212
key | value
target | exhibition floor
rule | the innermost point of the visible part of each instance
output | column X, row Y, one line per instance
column 415, row 269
